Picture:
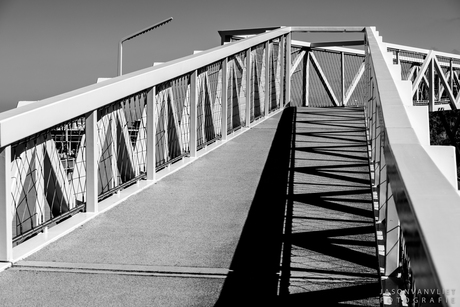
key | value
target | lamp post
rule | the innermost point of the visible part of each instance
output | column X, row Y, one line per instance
column 120, row 46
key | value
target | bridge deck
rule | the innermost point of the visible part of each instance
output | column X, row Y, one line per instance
column 220, row 230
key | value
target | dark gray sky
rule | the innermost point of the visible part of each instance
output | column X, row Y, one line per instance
column 49, row 47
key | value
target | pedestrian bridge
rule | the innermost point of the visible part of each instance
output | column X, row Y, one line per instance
column 263, row 170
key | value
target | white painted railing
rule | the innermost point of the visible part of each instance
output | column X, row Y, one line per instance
column 416, row 200
column 65, row 154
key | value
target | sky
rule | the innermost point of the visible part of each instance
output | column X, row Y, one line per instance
column 49, row 47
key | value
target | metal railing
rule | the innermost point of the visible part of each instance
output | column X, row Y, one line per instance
column 124, row 129
column 415, row 197
column 95, row 141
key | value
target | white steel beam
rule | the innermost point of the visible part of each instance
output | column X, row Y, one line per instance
column 267, row 78
column 248, row 87
column 151, row 134
column 322, row 76
column 193, row 114
column 422, row 71
column 91, row 162
column 287, row 74
column 355, row 82
column 453, row 102
column 297, row 61
column 224, row 101
column 6, row 216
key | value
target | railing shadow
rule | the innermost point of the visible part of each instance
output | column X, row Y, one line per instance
column 307, row 243
column 253, row 280
column 329, row 249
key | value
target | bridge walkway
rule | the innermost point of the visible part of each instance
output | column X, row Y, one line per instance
column 269, row 216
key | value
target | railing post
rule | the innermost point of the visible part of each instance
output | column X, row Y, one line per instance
column 267, row 78
column 6, row 216
column 392, row 234
column 248, row 87
column 151, row 134
column 282, row 73
column 287, row 74
column 431, row 85
column 91, row 162
column 306, row 79
column 193, row 114
column 224, row 102
column 342, row 76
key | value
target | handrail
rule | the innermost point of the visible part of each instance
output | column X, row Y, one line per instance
column 81, row 101
column 427, row 203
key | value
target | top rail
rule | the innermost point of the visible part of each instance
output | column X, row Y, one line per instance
column 427, row 204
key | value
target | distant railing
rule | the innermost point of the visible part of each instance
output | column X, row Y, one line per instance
column 434, row 76
column 416, row 201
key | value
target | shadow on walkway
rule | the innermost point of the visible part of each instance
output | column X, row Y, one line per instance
column 309, row 237
column 255, row 264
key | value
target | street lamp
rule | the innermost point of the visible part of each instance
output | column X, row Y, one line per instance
column 120, row 47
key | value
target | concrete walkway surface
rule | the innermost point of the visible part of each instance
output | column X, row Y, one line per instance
column 269, row 217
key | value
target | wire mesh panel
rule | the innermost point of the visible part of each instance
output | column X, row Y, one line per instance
column 257, row 96
column 329, row 63
column 237, row 90
column 132, row 137
column 48, row 177
column 209, row 104
column 354, row 81
column 450, row 72
column 121, row 143
column 318, row 95
column 274, row 74
column 172, row 118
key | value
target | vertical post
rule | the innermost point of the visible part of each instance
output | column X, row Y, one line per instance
column 342, row 76
column 151, row 134
column 281, row 79
column 431, row 81
column 193, row 114
column 91, row 162
column 397, row 57
column 267, row 78
column 248, row 87
column 231, row 82
column 307, row 77
column 224, row 102
column 6, row 216
column 451, row 69
column 287, row 74
column 392, row 235
column 120, row 58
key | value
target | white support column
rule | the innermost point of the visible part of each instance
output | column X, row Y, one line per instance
column 6, row 216
column 151, row 134
column 91, row 162
column 267, row 78
column 342, row 76
column 193, row 114
column 282, row 72
column 288, row 69
column 248, row 87
column 392, row 235
column 431, row 85
column 307, row 77
column 451, row 69
column 224, row 100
